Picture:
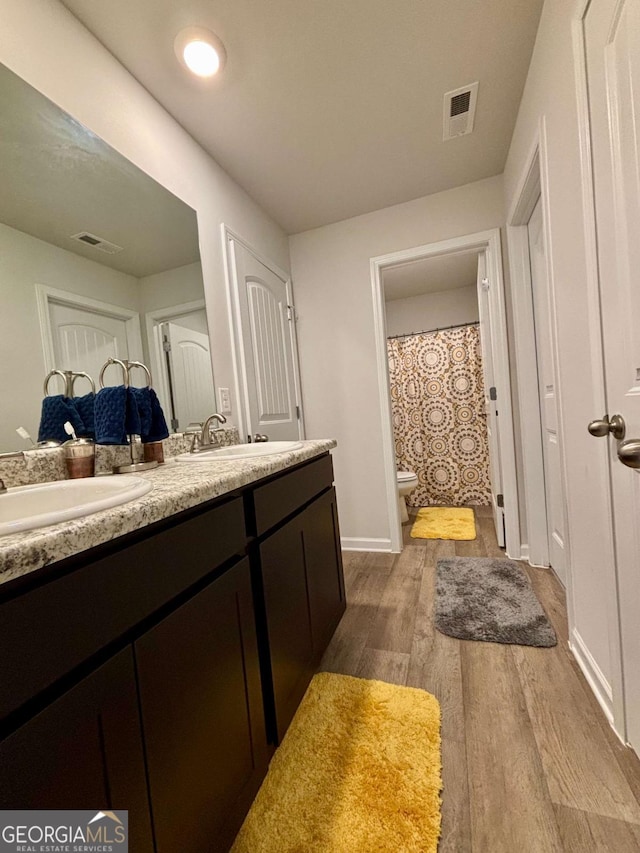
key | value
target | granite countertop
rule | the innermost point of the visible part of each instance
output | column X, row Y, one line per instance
column 176, row 486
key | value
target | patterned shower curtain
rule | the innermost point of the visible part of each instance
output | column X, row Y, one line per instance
column 437, row 401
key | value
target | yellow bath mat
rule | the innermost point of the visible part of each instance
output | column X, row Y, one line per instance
column 358, row 770
column 444, row 522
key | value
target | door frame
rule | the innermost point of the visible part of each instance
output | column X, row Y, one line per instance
column 534, row 185
column 46, row 295
column 153, row 321
column 229, row 237
column 612, row 701
column 489, row 243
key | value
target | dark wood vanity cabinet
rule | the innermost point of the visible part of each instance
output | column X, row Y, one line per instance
column 83, row 751
column 157, row 672
column 304, row 600
column 202, row 715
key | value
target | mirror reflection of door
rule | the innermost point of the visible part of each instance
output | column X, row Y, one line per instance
column 189, row 373
column 81, row 334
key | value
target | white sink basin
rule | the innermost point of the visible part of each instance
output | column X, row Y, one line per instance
column 28, row 507
column 241, row 451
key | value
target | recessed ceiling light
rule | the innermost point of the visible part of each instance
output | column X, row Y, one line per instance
column 200, row 51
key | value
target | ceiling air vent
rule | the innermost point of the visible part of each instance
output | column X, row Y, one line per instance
column 459, row 111
column 97, row 243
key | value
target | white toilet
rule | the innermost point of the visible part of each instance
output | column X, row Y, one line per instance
column 407, row 482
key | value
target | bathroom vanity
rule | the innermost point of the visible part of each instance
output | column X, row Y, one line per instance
column 158, row 670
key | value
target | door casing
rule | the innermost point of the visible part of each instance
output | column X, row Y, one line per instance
column 487, row 242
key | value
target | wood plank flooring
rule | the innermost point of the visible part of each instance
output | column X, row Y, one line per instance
column 530, row 763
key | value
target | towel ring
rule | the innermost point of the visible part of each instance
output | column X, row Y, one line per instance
column 50, row 376
column 69, row 377
column 82, row 375
column 143, row 367
column 125, row 371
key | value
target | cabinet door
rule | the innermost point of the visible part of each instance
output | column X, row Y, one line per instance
column 323, row 559
column 202, row 716
column 287, row 619
column 84, row 751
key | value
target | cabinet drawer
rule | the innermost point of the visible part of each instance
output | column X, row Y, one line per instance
column 284, row 495
column 47, row 631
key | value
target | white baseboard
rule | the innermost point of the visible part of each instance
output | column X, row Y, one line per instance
column 355, row 544
column 521, row 554
column 592, row 672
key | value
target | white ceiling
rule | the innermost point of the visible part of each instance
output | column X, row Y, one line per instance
column 58, row 178
column 431, row 275
column 332, row 108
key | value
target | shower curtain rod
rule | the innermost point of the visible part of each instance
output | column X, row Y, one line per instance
column 431, row 331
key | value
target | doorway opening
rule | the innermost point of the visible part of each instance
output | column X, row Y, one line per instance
column 483, row 249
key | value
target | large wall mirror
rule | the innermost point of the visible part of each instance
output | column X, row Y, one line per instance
column 96, row 260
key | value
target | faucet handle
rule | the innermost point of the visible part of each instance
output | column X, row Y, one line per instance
column 258, row 437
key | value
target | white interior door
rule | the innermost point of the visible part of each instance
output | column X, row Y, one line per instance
column 266, row 349
column 84, row 338
column 555, row 502
column 490, row 402
column 612, row 40
column 191, row 376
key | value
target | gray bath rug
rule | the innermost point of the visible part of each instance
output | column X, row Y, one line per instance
column 480, row 598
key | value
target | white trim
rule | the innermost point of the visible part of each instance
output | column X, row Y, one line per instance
column 230, row 237
column 46, row 295
column 592, row 672
column 526, row 197
column 548, row 240
column 534, row 185
column 384, row 391
column 152, row 321
column 597, row 356
column 524, row 553
column 349, row 543
column 489, row 242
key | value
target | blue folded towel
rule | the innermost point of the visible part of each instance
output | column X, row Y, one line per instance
column 110, row 410
column 141, row 398
column 132, row 419
column 55, row 411
column 158, row 429
column 85, row 409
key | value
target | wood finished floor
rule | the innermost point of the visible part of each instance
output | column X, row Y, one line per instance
column 530, row 763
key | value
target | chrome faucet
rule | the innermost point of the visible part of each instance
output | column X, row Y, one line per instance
column 203, row 441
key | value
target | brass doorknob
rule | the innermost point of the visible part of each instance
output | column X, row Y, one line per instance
column 629, row 453
column 614, row 425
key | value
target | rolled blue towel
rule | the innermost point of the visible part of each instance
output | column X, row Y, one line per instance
column 142, row 399
column 110, row 411
column 56, row 410
column 158, row 429
column 85, row 408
